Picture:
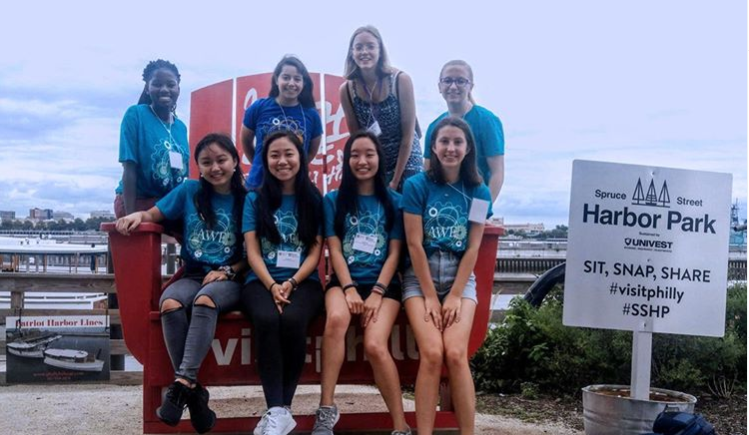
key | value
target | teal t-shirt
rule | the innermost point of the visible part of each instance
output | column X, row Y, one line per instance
column 286, row 222
column 365, row 267
column 487, row 132
column 204, row 249
column 444, row 211
column 147, row 142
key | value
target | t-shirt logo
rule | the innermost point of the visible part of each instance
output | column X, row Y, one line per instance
column 212, row 246
column 446, row 226
column 287, row 227
column 366, row 222
column 161, row 167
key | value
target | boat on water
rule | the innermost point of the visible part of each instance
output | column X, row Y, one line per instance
column 73, row 359
column 31, row 347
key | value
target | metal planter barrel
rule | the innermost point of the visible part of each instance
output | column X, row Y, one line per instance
column 608, row 409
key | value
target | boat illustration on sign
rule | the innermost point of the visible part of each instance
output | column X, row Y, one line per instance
column 73, row 359
column 31, row 347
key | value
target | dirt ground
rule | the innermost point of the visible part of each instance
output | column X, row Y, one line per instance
column 728, row 415
column 108, row 409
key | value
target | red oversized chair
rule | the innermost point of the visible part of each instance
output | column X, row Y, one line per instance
column 137, row 265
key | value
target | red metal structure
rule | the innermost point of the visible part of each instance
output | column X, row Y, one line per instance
column 137, row 262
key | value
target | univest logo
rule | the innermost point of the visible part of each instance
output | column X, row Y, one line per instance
column 647, row 219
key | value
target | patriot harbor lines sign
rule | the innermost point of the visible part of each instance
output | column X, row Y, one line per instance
column 647, row 249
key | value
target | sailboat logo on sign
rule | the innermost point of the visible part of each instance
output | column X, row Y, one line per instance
column 651, row 199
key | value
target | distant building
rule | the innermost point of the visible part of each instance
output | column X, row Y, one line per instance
column 103, row 214
column 7, row 215
column 528, row 227
column 40, row 214
column 62, row 215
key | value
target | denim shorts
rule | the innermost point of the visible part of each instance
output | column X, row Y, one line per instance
column 443, row 267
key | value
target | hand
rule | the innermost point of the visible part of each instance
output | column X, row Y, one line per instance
column 354, row 301
column 215, row 275
column 394, row 184
column 451, row 310
column 278, row 297
column 128, row 223
column 371, row 309
column 287, row 288
column 433, row 311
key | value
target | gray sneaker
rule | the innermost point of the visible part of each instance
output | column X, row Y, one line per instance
column 401, row 432
column 325, row 418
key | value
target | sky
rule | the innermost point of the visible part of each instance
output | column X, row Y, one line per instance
column 656, row 83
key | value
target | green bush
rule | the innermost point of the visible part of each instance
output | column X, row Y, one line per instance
column 532, row 347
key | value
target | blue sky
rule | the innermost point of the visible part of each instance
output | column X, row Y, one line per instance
column 642, row 82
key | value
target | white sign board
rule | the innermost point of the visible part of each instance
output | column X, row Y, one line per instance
column 647, row 249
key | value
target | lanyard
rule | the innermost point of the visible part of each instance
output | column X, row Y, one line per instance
column 304, row 119
column 462, row 191
column 371, row 98
column 168, row 130
column 377, row 218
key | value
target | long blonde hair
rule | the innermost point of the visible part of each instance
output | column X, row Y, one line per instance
column 458, row 62
column 351, row 70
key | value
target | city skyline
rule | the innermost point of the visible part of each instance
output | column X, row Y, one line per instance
column 659, row 84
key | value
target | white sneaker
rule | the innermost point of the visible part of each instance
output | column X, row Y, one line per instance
column 261, row 424
column 277, row 421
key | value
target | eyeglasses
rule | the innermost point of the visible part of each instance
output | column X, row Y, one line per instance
column 459, row 81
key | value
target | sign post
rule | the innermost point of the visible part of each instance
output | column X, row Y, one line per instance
column 647, row 252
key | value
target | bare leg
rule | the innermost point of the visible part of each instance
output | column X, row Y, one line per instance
column 376, row 337
column 429, row 340
column 456, row 355
column 336, row 324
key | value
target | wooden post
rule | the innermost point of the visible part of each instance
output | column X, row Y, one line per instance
column 171, row 251
column 16, row 302
column 44, row 259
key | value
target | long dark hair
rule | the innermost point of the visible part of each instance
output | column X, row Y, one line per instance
column 346, row 202
column 308, row 200
column 202, row 198
column 469, row 173
column 306, row 98
column 148, row 71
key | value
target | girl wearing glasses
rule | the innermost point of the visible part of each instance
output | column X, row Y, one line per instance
column 444, row 210
column 455, row 85
column 153, row 143
column 364, row 230
column 290, row 106
column 379, row 98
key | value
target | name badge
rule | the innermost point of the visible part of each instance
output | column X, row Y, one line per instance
column 375, row 128
column 288, row 259
column 175, row 160
column 365, row 243
column 479, row 209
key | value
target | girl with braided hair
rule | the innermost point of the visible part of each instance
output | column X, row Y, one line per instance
column 154, row 151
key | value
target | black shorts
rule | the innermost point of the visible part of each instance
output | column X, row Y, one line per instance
column 394, row 291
